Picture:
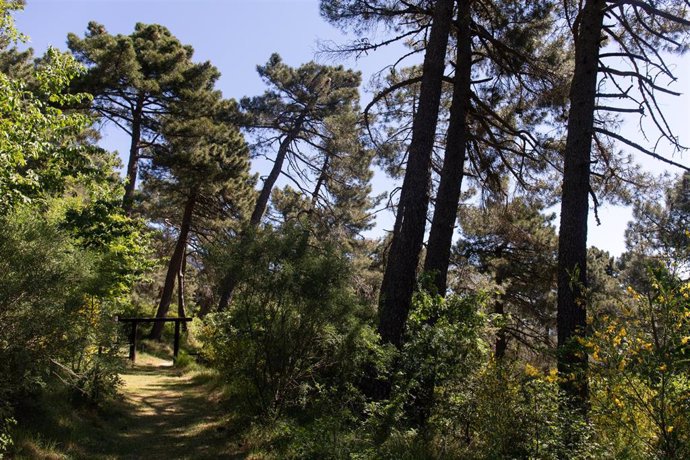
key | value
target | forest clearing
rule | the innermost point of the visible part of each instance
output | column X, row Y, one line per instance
column 381, row 245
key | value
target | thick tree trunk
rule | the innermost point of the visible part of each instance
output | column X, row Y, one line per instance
column 174, row 267
column 230, row 281
column 133, row 163
column 572, row 241
column 408, row 234
column 448, row 195
column 227, row 287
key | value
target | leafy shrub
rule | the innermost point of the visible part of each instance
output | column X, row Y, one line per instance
column 293, row 325
column 640, row 370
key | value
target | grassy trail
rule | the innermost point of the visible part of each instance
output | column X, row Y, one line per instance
column 161, row 413
column 170, row 416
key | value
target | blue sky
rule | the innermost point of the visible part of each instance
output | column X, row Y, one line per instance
column 236, row 35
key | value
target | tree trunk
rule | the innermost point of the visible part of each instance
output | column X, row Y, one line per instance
column 572, row 241
column 180, row 291
column 174, row 267
column 230, row 281
column 133, row 163
column 323, row 175
column 448, row 195
column 408, row 234
column 270, row 182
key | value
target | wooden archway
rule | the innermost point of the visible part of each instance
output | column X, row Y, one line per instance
column 133, row 333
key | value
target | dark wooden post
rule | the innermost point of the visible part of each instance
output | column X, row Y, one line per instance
column 176, row 346
column 133, row 342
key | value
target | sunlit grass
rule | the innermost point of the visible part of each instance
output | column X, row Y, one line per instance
column 161, row 412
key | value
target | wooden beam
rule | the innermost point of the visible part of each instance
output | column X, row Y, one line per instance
column 133, row 342
column 176, row 346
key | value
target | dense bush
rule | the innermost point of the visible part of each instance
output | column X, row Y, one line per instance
column 641, row 370
column 58, row 296
column 291, row 334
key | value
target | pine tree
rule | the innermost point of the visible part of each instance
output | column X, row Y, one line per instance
column 204, row 159
column 134, row 79
column 514, row 244
column 639, row 30
column 304, row 115
column 505, row 88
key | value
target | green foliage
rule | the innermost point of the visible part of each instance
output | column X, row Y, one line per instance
column 101, row 226
column 6, row 442
column 8, row 32
column 40, row 278
column 444, row 338
column 60, row 297
column 40, row 147
column 290, row 334
column 640, row 360
column 512, row 245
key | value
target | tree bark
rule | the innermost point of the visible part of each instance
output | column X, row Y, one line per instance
column 133, row 163
column 448, row 195
column 408, row 234
column 174, row 267
column 572, row 241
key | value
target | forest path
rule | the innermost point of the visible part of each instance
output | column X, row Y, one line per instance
column 167, row 414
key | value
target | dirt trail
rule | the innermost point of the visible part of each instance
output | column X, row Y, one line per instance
column 167, row 415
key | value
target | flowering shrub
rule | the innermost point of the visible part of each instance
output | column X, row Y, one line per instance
column 640, row 360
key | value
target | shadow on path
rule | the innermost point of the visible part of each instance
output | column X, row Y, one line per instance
column 166, row 415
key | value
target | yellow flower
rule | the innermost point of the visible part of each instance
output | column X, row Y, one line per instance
column 531, row 371
column 617, row 402
column 669, row 428
column 663, row 368
column 553, row 376
column 685, row 340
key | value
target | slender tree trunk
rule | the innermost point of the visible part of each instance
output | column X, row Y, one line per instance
column 270, row 182
column 572, row 241
column 448, row 195
column 408, row 234
column 133, row 163
column 230, row 280
column 174, row 267
column 180, row 291
column 323, row 175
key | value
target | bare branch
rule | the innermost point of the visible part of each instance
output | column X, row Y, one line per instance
column 640, row 148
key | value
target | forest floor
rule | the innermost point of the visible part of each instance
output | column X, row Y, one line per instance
column 161, row 413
